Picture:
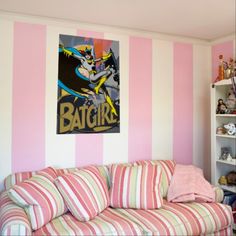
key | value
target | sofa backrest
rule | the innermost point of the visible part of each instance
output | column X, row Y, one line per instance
column 166, row 165
column 19, row 177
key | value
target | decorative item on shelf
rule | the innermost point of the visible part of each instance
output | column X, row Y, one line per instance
column 220, row 69
column 231, row 128
column 222, row 180
column 221, row 107
column 226, row 153
column 231, row 99
column 230, row 69
column 231, row 178
column 221, row 130
column 226, row 70
column 229, row 157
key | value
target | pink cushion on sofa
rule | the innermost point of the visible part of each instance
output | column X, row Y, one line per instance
column 136, row 186
column 85, row 192
column 39, row 197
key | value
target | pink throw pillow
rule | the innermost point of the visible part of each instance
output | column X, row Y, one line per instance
column 136, row 186
column 39, row 197
column 85, row 193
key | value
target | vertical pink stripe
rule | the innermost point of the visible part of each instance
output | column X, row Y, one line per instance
column 183, row 103
column 89, row 147
column 140, row 99
column 225, row 49
column 28, row 125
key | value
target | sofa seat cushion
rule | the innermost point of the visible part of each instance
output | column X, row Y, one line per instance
column 109, row 222
column 182, row 219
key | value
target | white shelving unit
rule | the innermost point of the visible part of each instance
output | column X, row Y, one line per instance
column 221, row 167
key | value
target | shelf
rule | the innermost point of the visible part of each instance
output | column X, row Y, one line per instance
column 225, row 115
column 223, row 82
column 229, row 188
column 226, row 136
column 233, row 162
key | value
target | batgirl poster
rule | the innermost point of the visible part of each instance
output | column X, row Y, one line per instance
column 88, row 86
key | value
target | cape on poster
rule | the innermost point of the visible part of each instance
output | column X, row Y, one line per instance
column 88, row 85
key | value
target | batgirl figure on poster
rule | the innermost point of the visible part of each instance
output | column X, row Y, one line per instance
column 88, row 86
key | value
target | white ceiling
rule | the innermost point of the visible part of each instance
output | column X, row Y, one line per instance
column 204, row 19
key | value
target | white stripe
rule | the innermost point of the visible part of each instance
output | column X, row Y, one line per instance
column 113, row 142
column 22, row 230
column 60, row 149
column 201, row 108
column 162, row 100
column 6, row 65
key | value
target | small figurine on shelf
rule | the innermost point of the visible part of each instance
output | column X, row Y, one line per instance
column 221, row 69
column 225, row 153
column 231, row 99
column 230, row 69
column 226, row 70
column 231, row 178
column 221, row 107
column 222, row 180
column 231, row 128
column 229, row 157
column 221, row 130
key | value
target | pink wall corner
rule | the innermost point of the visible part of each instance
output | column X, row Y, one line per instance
column 226, row 49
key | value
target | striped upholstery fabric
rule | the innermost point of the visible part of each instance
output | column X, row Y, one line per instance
column 219, row 193
column 102, row 169
column 109, row 222
column 182, row 219
column 13, row 219
column 136, row 186
column 85, row 192
column 17, row 178
column 224, row 232
column 168, row 167
column 39, row 197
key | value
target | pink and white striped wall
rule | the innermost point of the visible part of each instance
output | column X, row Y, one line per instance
column 161, row 82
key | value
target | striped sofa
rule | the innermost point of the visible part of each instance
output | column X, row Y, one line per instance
column 171, row 219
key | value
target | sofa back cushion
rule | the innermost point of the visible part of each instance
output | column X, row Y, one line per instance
column 136, row 186
column 167, row 167
column 85, row 192
column 39, row 197
column 19, row 177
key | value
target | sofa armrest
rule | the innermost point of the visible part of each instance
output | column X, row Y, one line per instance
column 13, row 219
column 219, row 193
